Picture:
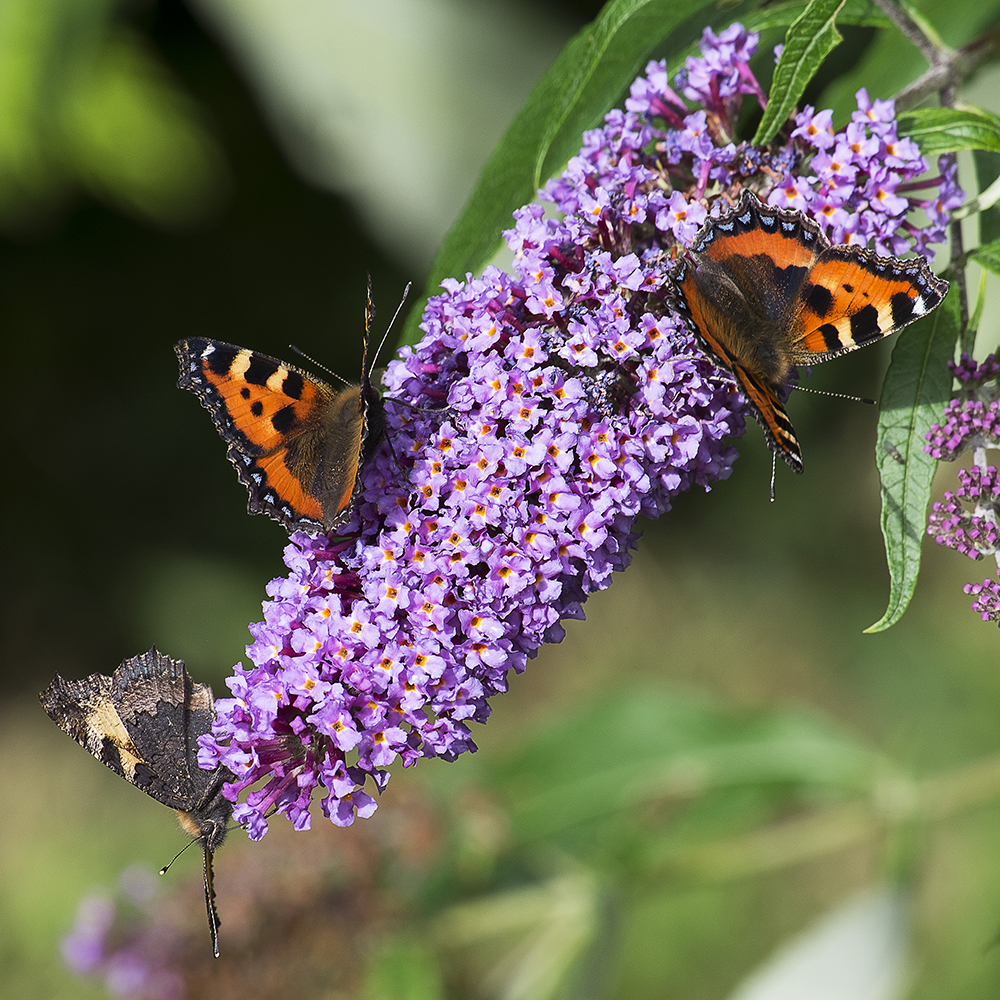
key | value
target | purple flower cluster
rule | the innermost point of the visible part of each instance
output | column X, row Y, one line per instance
column 861, row 178
column 967, row 424
column 966, row 520
column 987, row 599
column 859, row 183
column 971, row 532
column 971, row 421
column 538, row 416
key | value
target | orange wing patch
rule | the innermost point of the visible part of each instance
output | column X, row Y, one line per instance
column 286, row 486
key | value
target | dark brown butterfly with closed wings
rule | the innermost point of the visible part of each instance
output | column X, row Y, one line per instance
column 143, row 722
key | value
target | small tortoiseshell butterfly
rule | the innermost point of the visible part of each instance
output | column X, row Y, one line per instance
column 767, row 291
column 143, row 722
column 298, row 444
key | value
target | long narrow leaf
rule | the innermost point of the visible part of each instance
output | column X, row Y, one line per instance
column 810, row 39
column 916, row 388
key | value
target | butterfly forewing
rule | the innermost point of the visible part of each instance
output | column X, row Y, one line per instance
column 258, row 403
column 858, row 298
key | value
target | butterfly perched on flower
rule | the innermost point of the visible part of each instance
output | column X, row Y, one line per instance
column 297, row 443
column 767, row 291
column 143, row 722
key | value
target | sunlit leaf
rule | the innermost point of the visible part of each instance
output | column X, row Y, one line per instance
column 810, row 39
column 917, row 385
column 947, row 130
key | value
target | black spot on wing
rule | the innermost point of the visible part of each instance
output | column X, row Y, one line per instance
column 257, row 408
column 819, row 299
column 864, row 325
column 773, row 287
column 245, row 392
column 789, row 279
column 284, row 420
column 831, row 336
column 220, row 360
column 293, row 385
column 110, row 755
column 902, row 308
column 259, row 370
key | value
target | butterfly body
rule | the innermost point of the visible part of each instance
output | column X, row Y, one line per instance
column 767, row 292
column 143, row 723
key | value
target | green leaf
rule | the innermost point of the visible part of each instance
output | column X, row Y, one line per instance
column 589, row 76
column 402, row 969
column 810, row 39
column 987, row 171
column 947, row 130
column 859, row 12
column 988, row 256
column 917, row 386
column 659, row 746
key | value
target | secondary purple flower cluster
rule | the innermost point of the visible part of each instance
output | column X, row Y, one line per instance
column 972, row 419
column 104, row 942
column 538, row 416
column 966, row 520
column 971, row 532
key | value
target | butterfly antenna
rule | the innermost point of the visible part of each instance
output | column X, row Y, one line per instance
column 773, row 467
column 370, row 315
column 313, row 361
column 838, row 395
column 163, row 870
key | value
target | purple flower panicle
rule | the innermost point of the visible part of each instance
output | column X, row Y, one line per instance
column 485, row 522
column 966, row 520
column 987, row 599
column 541, row 413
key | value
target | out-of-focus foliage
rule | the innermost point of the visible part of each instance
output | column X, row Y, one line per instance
column 86, row 106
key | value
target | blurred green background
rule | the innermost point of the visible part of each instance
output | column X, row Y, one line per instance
column 169, row 170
